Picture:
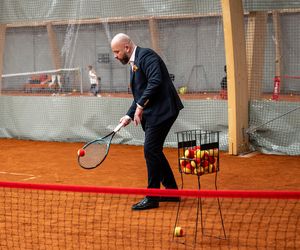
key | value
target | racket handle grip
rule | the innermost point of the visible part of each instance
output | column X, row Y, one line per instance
column 118, row 127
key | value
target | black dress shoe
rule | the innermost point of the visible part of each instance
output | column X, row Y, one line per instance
column 146, row 203
column 169, row 199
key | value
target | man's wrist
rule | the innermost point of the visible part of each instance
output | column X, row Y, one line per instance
column 139, row 106
column 127, row 117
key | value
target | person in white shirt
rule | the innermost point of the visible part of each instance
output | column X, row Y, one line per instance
column 55, row 79
column 94, row 81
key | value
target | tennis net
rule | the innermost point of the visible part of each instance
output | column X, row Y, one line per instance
column 43, row 216
column 43, row 82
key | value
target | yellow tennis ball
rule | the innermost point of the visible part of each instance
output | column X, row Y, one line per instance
column 182, row 90
column 178, row 232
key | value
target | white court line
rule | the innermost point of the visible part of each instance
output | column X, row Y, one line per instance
column 248, row 155
column 30, row 176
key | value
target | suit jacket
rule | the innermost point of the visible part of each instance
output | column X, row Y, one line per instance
column 152, row 88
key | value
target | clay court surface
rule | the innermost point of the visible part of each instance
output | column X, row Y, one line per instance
column 56, row 163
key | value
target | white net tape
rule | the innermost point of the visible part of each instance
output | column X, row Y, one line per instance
column 62, row 80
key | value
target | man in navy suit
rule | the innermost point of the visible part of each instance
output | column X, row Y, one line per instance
column 156, row 106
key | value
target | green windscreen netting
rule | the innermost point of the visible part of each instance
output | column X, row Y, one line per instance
column 47, row 46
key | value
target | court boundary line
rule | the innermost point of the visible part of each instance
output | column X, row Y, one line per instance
column 29, row 176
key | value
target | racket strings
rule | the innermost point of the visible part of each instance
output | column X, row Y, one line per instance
column 94, row 155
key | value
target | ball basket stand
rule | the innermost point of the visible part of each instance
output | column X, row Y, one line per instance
column 198, row 155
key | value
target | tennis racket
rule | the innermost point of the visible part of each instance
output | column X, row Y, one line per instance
column 93, row 153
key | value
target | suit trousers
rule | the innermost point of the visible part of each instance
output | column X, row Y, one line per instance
column 158, row 167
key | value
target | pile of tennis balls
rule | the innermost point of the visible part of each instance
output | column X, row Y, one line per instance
column 198, row 162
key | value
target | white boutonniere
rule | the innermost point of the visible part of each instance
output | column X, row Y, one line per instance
column 135, row 68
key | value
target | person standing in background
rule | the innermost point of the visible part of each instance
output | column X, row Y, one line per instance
column 223, row 84
column 94, row 81
column 55, row 83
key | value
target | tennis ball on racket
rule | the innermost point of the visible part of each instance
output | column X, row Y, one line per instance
column 178, row 232
column 81, row 152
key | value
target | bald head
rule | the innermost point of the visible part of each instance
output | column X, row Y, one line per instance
column 121, row 38
column 122, row 47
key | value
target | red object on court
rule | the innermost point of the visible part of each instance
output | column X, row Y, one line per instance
column 276, row 89
column 81, row 152
column 223, row 94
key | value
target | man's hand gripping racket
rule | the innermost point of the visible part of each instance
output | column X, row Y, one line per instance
column 92, row 154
